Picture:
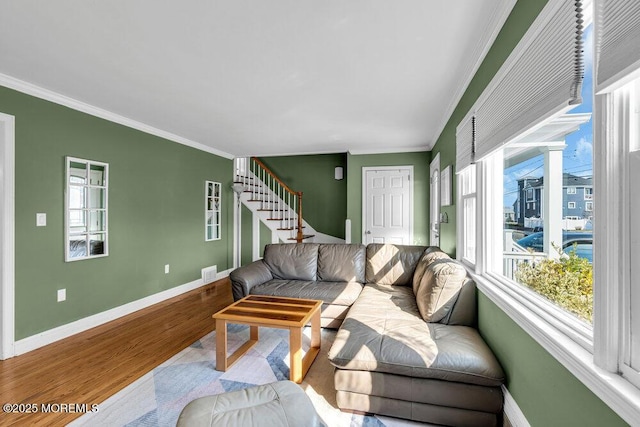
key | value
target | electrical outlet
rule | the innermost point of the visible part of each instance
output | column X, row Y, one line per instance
column 166, row 269
column 62, row 295
column 41, row 220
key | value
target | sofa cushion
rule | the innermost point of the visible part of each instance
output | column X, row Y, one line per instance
column 431, row 254
column 392, row 264
column 439, row 288
column 292, row 261
column 384, row 332
column 341, row 263
column 338, row 293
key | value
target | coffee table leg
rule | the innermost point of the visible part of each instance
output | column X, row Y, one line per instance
column 295, row 348
column 315, row 330
column 221, row 345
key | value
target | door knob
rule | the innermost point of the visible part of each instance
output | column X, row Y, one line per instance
column 367, row 232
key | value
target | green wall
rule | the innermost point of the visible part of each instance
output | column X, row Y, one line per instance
column 324, row 202
column 156, row 214
column 420, row 162
column 546, row 392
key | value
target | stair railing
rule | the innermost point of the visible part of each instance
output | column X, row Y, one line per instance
column 274, row 196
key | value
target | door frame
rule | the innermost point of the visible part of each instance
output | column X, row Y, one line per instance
column 365, row 169
column 434, row 211
column 7, row 237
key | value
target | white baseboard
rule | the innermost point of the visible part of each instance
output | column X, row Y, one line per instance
column 512, row 410
column 52, row 335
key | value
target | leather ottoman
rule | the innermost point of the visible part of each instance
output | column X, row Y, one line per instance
column 282, row 403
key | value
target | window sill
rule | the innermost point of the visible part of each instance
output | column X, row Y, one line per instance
column 618, row 393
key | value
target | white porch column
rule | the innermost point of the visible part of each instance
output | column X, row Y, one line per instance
column 552, row 199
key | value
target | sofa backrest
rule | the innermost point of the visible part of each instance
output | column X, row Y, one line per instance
column 341, row 262
column 392, row 264
column 292, row 261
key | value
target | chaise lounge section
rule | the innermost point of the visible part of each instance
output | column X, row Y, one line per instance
column 408, row 347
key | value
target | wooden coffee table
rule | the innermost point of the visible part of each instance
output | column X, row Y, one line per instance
column 273, row 312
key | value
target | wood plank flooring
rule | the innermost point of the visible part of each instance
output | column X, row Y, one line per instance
column 89, row 367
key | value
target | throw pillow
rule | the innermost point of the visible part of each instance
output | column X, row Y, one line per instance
column 431, row 254
column 439, row 288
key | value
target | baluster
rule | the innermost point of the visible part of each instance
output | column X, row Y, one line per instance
column 255, row 182
column 295, row 204
column 281, row 191
column 245, row 172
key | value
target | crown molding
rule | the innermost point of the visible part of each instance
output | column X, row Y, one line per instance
column 390, row 150
column 49, row 95
column 484, row 43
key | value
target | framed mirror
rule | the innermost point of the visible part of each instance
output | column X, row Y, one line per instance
column 212, row 210
column 86, row 209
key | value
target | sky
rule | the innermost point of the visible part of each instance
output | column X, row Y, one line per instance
column 577, row 158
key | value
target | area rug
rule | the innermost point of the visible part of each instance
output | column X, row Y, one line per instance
column 157, row 398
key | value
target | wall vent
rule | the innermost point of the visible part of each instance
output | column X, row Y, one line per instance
column 209, row 274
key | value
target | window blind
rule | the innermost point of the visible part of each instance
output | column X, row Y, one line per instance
column 617, row 42
column 465, row 143
column 541, row 78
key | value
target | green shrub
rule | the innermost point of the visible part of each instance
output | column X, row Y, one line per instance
column 568, row 282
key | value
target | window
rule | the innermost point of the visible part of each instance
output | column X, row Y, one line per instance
column 588, row 193
column 604, row 355
column 529, row 195
column 212, row 211
column 571, row 205
column 86, row 209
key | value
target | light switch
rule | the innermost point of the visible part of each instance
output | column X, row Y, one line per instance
column 41, row 220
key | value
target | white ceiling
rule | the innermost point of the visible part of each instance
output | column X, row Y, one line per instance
column 257, row 77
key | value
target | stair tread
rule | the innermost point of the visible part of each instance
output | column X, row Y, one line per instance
column 304, row 236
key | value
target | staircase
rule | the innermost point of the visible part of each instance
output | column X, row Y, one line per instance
column 277, row 205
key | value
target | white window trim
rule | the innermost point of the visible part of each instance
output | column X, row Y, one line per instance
column 461, row 214
column 571, row 190
column 571, row 205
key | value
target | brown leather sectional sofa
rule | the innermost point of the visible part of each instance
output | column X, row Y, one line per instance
column 407, row 345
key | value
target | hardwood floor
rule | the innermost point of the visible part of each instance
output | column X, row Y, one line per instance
column 89, row 367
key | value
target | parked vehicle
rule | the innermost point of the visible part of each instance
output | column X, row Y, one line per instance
column 582, row 241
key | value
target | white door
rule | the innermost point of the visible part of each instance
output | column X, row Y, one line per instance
column 387, row 215
column 434, row 201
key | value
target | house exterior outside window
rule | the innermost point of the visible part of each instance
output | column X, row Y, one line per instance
column 577, row 189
